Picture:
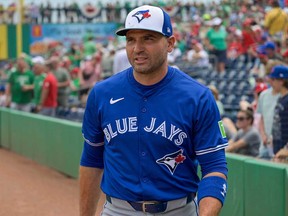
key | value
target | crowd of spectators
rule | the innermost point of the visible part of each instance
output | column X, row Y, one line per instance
column 214, row 37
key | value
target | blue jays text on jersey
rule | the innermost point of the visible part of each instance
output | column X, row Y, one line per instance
column 150, row 139
column 129, row 125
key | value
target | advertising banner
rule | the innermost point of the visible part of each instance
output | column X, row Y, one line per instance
column 43, row 35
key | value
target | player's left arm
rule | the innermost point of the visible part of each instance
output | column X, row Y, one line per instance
column 210, row 206
column 210, row 142
column 213, row 186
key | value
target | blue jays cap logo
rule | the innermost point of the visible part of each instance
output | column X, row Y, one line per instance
column 171, row 161
column 140, row 15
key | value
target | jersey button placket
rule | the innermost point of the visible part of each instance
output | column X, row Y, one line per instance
column 143, row 150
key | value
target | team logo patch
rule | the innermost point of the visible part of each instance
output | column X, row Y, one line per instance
column 171, row 161
column 222, row 129
column 140, row 15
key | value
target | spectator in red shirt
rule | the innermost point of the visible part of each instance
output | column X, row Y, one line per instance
column 249, row 40
column 235, row 48
column 48, row 101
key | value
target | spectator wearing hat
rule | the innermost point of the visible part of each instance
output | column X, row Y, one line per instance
column 259, row 67
column 265, row 108
column 267, row 64
column 18, row 97
column 39, row 72
column 279, row 77
column 271, row 51
column 235, row 47
column 249, row 39
column 216, row 43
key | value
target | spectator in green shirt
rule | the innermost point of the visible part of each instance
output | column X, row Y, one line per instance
column 216, row 43
column 39, row 72
column 17, row 96
column 89, row 47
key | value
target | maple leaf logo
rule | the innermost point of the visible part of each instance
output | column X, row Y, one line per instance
column 180, row 158
column 171, row 161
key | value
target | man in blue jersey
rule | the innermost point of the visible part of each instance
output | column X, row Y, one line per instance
column 146, row 130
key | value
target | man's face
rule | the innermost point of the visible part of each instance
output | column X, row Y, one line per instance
column 276, row 84
column 242, row 120
column 270, row 52
column 21, row 64
column 147, row 50
column 37, row 69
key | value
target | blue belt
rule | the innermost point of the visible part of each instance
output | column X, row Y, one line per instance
column 152, row 207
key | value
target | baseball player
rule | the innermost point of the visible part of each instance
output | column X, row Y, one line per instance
column 146, row 130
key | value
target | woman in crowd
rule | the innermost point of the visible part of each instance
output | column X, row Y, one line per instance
column 247, row 139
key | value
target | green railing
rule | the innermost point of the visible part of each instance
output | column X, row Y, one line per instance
column 255, row 187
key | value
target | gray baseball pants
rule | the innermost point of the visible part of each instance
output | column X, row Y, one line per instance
column 179, row 207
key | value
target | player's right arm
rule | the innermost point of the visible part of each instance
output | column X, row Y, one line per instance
column 90, row 192
column 91, row 163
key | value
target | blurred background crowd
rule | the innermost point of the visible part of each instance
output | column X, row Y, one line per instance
column 239, row 49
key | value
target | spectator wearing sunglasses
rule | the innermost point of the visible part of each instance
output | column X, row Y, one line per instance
column 247, row 139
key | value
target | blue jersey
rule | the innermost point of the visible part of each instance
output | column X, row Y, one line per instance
column 149, row 139
column 280, row 124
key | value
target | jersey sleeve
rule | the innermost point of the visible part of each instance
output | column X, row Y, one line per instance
column 92, row 154
column 46, row 83
column 210, row 137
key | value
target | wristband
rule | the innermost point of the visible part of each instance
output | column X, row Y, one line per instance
column 212, row 186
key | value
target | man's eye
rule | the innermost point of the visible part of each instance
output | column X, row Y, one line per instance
column 129, row 41
column 149, row 38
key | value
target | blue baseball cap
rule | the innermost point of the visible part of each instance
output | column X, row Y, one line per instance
column 261, row 49
column 270, row 45
column 279, row 72
column 147, row 17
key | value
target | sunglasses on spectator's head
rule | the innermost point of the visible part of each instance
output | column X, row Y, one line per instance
column 241, row 118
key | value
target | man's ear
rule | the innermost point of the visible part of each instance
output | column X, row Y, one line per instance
column 171, row 42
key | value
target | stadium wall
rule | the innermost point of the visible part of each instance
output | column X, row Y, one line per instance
column 52, row 142
column 255, row 187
